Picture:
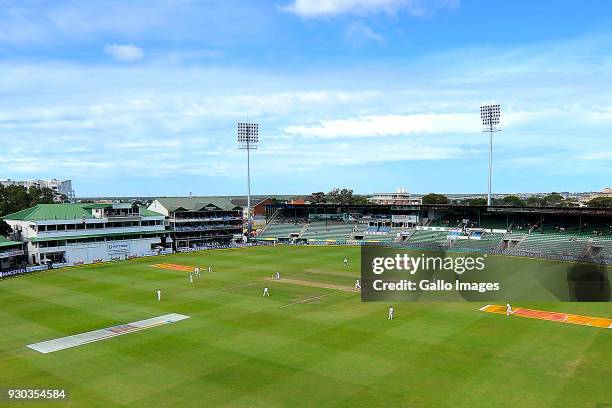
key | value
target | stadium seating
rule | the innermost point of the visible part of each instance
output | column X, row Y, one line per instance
column 379, row 238
column 330, row 230
column 553, row 243
column 487, row 241
column 434, row 237
column 281, row 229
column 605, row 243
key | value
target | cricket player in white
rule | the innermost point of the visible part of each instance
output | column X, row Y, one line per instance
column 357, row 284
column 277, row 276
column 390, row 313
column 159, row 295
column 266, row 292
column 209, row 268
column 190, row 278
column 345, row 262
column 509, row 310
column 197, row 271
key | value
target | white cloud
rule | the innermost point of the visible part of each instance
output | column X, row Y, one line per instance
column 324, row 8
column 359, row 33
column 125, row 52
column 166, row 119
column 386, row 125
column 597, row 156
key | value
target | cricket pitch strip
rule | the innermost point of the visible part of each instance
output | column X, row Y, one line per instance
column 313, row 284
column 559, row 317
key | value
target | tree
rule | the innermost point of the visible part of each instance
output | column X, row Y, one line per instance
column 317, row 198
column 16, row 198
column 570, row 203
column 553, row 199
column 433, row 198
column 333, row 196
column 477, row 201
column 514, row 200
column 605, row 202
column 360, row 200
column 339, row 196
column 534, row 201
column 5, row 229
column 346, row 196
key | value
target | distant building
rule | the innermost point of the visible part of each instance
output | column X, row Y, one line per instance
column 258, row 205
column 84, row 233
column 199, row 221
column 63, row 187
column 400, row 197
column 606, row 192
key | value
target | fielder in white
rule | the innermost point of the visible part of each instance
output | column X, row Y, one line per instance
column 159, row 295
column 345, row 262
column 509, row 310
column 196, row 271
column 209, row 268
column 266, row 292
column 277, row 276
column 391, row 310
column 190, row 278
column 357, row 284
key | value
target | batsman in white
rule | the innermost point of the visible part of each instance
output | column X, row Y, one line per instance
column 159, row 295
column 209, row 268
column 266, row 292
column 277, row 276
column 391, row 310
column 509, row 310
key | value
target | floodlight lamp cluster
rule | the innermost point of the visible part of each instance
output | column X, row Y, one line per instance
column 248, row 135
column 490, row 116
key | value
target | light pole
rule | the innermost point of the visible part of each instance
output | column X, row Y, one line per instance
column 490, row 121
column 248, row 137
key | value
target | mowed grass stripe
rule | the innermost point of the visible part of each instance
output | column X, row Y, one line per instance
column 240, row 349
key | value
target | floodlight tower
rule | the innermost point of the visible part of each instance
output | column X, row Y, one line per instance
column 248, row 137
column 490, row 122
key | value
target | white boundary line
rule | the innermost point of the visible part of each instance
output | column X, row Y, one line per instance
column 484, row 307
column 306, row 300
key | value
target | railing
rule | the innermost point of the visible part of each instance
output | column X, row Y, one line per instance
column 199, row 219
column 206, row 228
column 224, row 246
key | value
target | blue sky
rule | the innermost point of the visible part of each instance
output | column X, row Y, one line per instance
column 142, row 97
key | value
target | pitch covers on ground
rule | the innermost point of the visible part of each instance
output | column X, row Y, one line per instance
column 62, row 343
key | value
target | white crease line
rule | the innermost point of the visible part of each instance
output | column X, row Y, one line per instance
column 306, row 300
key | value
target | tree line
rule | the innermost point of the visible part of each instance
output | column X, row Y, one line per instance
column 549, row 200
column 16, row 198
column 338, row 196
column 345, row 196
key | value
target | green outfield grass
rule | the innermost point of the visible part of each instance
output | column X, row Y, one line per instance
column 239, row 349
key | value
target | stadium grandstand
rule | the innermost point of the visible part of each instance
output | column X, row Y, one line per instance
column 195, row 222
column 74, row 234
column 531, row 231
